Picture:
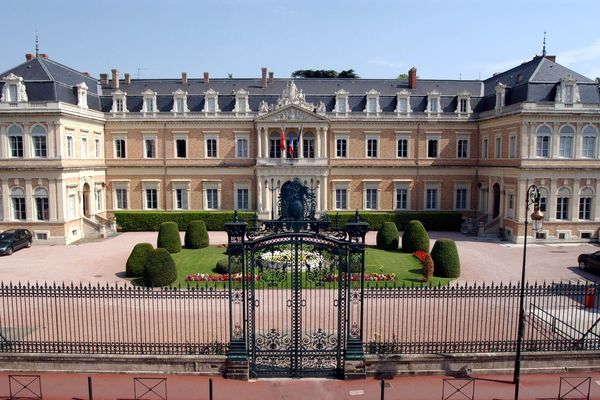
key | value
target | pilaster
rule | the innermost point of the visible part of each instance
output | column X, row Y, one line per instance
column 551, row 209
column 259, row 195
column 27, row 147
column 29, row 208
column 6, row 199
column 574, row 212
column 52, row 199
column 62, row 200
column 259, row 143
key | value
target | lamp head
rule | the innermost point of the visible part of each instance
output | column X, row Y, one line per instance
column 537, row 218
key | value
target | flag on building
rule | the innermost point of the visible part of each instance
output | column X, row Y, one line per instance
column 291, row 145
column 299, row 137
column 282, row 140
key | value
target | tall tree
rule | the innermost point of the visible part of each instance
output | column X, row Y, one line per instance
column 323, row 73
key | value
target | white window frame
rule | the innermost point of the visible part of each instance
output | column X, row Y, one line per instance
column 372, row 136
column 82, row 91
column 212, row 136
column 500, row 96
column 538, row 135
column 512, row 146
column 84, row 150
column 241, row 136
column 498, row 146
column 344, row 186
column 97, row 145
column 115, row 139
column 510, row 204
column 117, row 186
column 39, row 131
column 149, row 99
column 345, row 137
column 562, row 138
column 432, row 186
column 242, row 186
column 403, row 95
column 18, row 134
column 150, row 185
column 16, row 82
column 467, row 138
column 433, row 103
column 372, row 99
column 242, row 107
column 341, row 97
column 586, row 193
column 485, row 147
column 181, row 185
column 154, row 139
column 462, row 186
column 402, row 185
column 211, row 95
column 564, row 193
column 463, row 96
column 368, row 186
column 438, row 139
column 119, row 96
column 41, row 192
column 406, row 137
column 567, row 83
column 70, row 143
column 18, row 192
column 180, row 95
column 210, row 186
column 181, row 136
column 594, row 135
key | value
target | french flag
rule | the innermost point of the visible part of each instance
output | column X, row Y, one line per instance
column 291, row 146
column 282, row 140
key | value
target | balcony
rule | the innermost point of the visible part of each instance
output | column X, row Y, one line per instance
column 286, row 162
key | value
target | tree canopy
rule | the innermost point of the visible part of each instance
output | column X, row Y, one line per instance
column 324, row 73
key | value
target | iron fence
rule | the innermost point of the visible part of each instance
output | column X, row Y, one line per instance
column 411, row 320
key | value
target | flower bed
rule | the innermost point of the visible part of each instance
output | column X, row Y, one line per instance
column 421, row 255
column 216, row 278
column 372, row 277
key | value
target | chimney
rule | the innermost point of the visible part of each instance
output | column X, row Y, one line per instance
column 43, row 55
column 271, row 77
column 127, row 78
column 104, row 80
column 264, row 77
column 115, row 78
column 184, row 78
column 29, row 56
column 412, row 78
column 551, row 58
column 206, row 77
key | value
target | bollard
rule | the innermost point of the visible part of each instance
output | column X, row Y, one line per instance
column 210, row 391
column 590, row 298
column 90, row 396
column 382, row 389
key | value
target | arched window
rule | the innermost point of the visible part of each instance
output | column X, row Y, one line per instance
column 588, row 144
column 18, row 203
column 544, row 202
column 15, row 141
column 562, row 203
column 586, row 196
column 39, row 139
column 566, row 141
column 542, row 141
column 42, row 209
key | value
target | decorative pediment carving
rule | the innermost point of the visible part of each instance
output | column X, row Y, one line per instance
column 292, row 113
column 434, row 93
column 500, row 87
column 82, row 90
column 464, row 93
column 403, row 93
column 13, row 80
column 241, row 92
column 292, row 95
column 569, row 79
column 180, row 93
column 148, row 93
column 342, row 92
column 372, row 92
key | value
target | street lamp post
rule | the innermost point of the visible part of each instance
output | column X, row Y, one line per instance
column 272, row 188
column 532, row 198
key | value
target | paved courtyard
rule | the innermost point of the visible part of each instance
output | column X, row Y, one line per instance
column 103, row 261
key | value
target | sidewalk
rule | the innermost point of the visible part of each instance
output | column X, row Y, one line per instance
column 184, row 387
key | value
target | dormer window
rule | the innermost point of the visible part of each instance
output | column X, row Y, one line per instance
column 500, row 96
column 241, row 102
column 180, row 101
column 211, row 102
column 433, row 102
column 82, row 90
column 463, row 105
column 403, row 102
column 567, row 91
column 119, row 102
column 13, row 89
column 341, row 102
column 149, row 105
column 372, row 102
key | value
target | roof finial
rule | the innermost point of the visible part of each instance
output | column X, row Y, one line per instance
column 544, row 47
column 37, row 47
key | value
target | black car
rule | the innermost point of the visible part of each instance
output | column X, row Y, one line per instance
column 587, row 261
column 14, row 239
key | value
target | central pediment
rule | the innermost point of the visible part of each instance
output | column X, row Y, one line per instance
column 292, row 112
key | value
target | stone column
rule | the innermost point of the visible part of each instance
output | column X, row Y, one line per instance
column 6, row 199
column 596, row 209
column 555, row 140
column 325, row 190
column 551, row 208
column 51, row 141
column 3, row 143
column 259, row 194
column 575, row 201
column 61, row 200
column 490, row 198
column 52, row 199
column 258, row 143
column 325, row 143
column 27, row 147
column 577, row 139
column 318, row 196
column 318, row 143
column 29, row 208
column 265, row 133
column 58, row 141
column 300, row 146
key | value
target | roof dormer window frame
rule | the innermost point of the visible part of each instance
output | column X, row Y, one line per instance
column 372, row 103
column 119, row 104
column 211, row 96
column 242, row 107
column 149, row 101
column 13, row 90
column 341, row 102
column 567, row 92
column 500, row 96
column 403, row 97
column 433, row 103
column 82, row 91
column 180, row 102
column 466, row 97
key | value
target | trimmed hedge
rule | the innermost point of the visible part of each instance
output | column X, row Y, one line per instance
column 196, row 235
column 137, row 259
column 387, row 237
column 168, row 237
column 134, row 221
column 432, row 220
column 222, row 267
column 160, row 269
column 445, row 259
column 415, row 238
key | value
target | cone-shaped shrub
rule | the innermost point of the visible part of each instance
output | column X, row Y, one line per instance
column 196, row 235
column 387, row 236
column 137, row 259
column 222, row 266
column 168, row 237
column 445, row 259
column 160, row 269
column 415, row 238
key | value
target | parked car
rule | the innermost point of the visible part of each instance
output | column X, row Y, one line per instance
column 14, row 239
column 587, row 261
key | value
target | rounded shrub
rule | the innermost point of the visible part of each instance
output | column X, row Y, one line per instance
column 387, row 236
column 445, row 259
column 137, row 259
column 160, row 269
column 415, row 238
column 168, row 237
column 222, row 267
column 196, row 235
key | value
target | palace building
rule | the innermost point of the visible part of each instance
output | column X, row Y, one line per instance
column 73, row 149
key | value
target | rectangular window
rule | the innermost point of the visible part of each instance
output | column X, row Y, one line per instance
column 84, row 148
column 308, row 148
column 562, row 208
column 150, row 148
column 148, row 105
column 97, row 147
column 69, row 146
column 341, row 148
column 588, row 146
column 181, row 199
column 512, row 147
column 181, row 148
column 16, row 146
column 372, row 105
column 12, row 93
column 498, row 148
column 119, row 105
column 274, row 148
column 463, row 105
column 461, row 199
column 211, row 148
column 151, row 199
column 462, row 148
column 121, row 197
column 212, row 199
column 431, row 200
column 401, row 198
column 98, row 199
column 585, row 208
column 371, row 199
column 568, row 91
column 341, row 104
column 542, row 146
column 566, row 146
column 372, row 145
column 19, row 208
column 241, row 150
column 179, row 104
column 402, row 148
column 42, row 209
column 242, row 197
column 72, row 209
column 341, row 199
column 433, row 105
column 402, row 105
column 120, row 148
column 40, row 147
column 211, row 105
column 432, row 148
column 511, row 205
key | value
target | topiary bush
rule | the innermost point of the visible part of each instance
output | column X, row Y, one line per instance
column 387, row 236
column 196, row 235
column 223, row 268
column 415, row 238
column 160, row 269
column 129, row 221
column 137, row 259
column 168, row 237
column 445, row 259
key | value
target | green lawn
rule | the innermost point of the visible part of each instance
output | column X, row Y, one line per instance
column 406, row 267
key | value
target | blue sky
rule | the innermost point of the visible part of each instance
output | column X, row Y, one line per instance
column 378, row 39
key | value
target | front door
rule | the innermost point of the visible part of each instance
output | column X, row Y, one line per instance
column 496, row 200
